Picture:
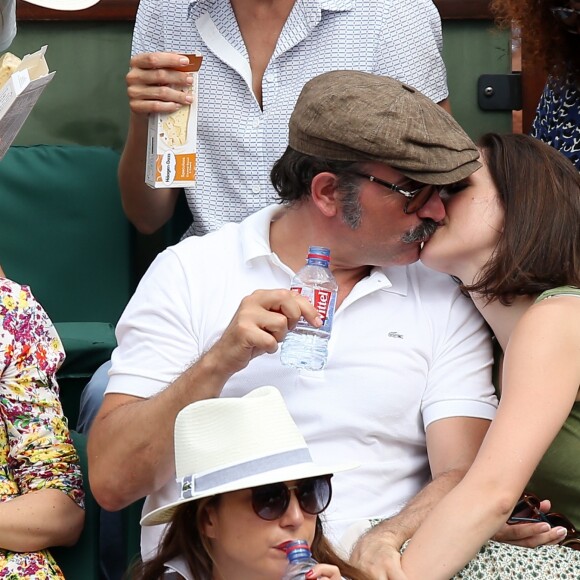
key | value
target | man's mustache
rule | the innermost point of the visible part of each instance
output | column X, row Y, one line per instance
column 420, row 233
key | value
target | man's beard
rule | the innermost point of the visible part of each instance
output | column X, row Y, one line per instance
column 420, row 233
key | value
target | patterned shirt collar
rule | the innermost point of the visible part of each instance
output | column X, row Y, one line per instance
column 196, row 7
column 337, row 5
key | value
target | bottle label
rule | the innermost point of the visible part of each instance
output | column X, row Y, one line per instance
column 323, row 300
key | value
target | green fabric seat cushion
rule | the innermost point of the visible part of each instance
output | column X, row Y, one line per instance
column 87, row 345
column 63, row 232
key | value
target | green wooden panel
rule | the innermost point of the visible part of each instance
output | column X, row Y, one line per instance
column 86, row 102
column 472, row 48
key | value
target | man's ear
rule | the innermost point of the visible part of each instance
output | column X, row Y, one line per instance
column 324, row 194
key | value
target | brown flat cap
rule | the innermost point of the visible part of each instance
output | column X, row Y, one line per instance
column 358, row 116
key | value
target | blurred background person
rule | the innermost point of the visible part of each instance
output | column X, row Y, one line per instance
column 257, row 56
column 551, row 33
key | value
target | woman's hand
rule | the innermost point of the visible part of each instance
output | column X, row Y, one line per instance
column 155, row 85
column 531, row 535
column 323, row 571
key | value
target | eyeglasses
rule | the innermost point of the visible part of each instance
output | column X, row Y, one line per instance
column 416, row 198
column 270, row 502
column 528, row 510
column 563, row 14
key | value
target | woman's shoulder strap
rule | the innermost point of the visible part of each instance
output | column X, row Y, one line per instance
column 570, row 290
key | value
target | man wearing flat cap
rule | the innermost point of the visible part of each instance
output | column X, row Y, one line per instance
column 406, row 391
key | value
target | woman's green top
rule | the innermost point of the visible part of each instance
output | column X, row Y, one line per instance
column 557, row 477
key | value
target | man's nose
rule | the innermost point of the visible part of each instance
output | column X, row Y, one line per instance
column 433, row 209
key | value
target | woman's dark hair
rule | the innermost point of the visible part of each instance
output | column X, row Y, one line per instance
column 539, row 247
column 548, row 44
column 183, row 539
column 292, row 174
column 322, row 551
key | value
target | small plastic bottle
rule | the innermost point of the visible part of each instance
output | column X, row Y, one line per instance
column 300, row 560
column 306, row 347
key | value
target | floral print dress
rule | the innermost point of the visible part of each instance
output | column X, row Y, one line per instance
column 36, row 451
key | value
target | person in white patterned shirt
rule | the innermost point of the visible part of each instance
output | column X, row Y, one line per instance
column 257, row 55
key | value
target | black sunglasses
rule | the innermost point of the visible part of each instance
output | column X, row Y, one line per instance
column 271, row 501
column 416, row 198
column 527, row 510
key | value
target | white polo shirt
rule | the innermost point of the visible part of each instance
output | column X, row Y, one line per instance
column 406, row 349
column 238, row 141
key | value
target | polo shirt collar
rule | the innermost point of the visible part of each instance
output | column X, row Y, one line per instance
column 398, row 279
column 255, row 233
column 255, row 241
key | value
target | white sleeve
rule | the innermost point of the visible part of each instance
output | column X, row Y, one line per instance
column 7, row 24
column 411, row 47
column 459, row 381
column 155, row 335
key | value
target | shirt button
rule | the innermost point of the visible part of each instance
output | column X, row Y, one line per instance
column 256, row 123
column 256, row 188
column 269, row 77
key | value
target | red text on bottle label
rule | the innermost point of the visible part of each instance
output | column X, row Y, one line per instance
column 321, row 299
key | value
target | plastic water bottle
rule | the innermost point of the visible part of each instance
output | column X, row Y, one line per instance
column 300, row 560
column 306, row 347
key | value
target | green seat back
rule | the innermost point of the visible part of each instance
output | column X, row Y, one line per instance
column 87, row 345
column 64, row 232
column 65, row 235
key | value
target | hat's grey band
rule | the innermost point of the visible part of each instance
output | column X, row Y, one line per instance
column 190, row 484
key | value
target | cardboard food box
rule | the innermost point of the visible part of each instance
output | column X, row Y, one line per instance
column 21, row 84
column 172, row 140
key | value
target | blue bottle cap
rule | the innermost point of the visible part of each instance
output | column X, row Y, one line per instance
column 297, row 550
column 319, row 252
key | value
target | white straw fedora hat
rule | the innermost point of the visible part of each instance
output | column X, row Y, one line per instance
column 64, row 4
column 227, row 444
